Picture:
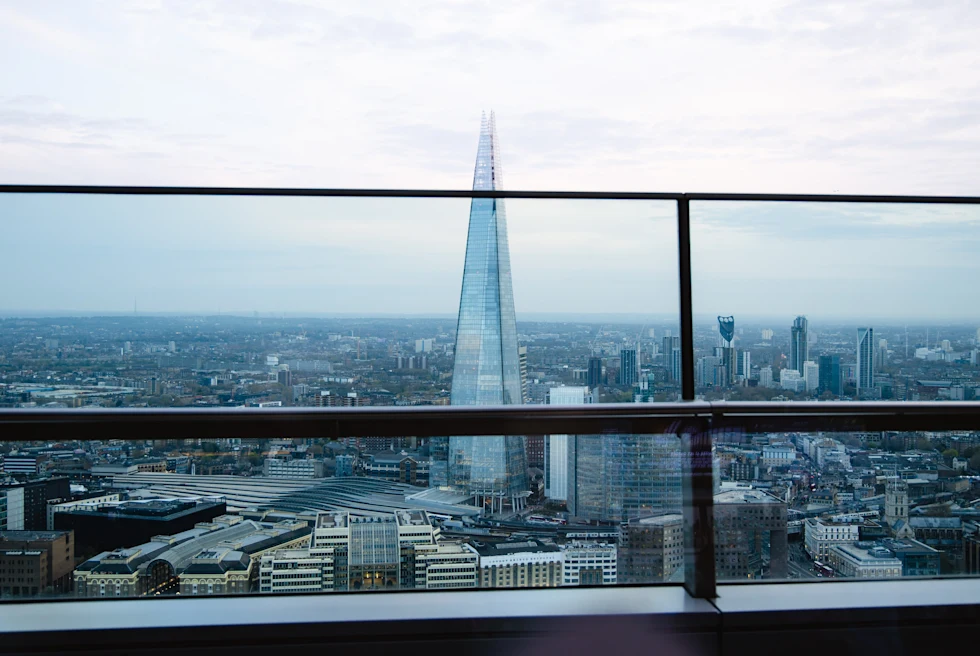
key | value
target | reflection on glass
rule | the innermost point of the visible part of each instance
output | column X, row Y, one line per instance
column 813, row 506
column 835, row 301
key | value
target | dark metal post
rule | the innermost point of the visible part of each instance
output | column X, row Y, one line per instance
column 699, row 530
column 687, row 316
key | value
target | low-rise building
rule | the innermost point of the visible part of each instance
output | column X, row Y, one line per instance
column 589, row 563
column 524, row 564
column 864, row 560
column 35, row 563
column 750, row 535
column 445, row 566
column 821, row 533
column 651, row 549
column 217, row 557
column 297, row 468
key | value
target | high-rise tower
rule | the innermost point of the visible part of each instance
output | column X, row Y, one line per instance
column 865, row 360
column 799, row 347
column 487, row 367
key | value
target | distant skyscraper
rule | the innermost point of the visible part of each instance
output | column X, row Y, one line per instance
column 522, row 361
column 487, row 367
column 628, row 372
column 829, row 374
column 672, row 357
column 767, row 334
column 799, row 346
column 726, row 327
column 765, row 377
column 744, row 368
column 556, row 446
column 593, row 376
column 865, row 359
column 882, row 352
column 811, row 375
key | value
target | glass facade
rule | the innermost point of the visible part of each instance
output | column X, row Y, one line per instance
column 486, row 370
column 616, row 478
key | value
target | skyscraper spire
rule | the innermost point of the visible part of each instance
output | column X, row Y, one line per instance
column 486, row 370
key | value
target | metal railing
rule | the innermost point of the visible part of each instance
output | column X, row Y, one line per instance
column 694, row 421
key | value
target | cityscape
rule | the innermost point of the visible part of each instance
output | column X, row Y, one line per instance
column 136, row 517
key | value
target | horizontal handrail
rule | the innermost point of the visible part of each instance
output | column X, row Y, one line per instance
column 498, row 193
column 426, row 421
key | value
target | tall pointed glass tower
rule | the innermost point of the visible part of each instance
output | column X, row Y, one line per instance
column 487, row 367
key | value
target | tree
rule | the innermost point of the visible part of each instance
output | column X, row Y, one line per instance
column 975, row 461
column 949, row 454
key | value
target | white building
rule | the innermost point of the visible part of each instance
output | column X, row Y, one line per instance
column 92, row 503
column 821, row 534
column 790, row 379
column 299, row 468
column 765, row 375
column 296, row 570
column 446, row 566
column 778, row 455
column 527, row 564
column 589, row 563
column 27, row 465
column 811, row 376
column 14, row 497
column 864, row 561
column 556, row 446
column 423, row 346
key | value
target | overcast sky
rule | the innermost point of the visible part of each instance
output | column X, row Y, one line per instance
column 822, row 97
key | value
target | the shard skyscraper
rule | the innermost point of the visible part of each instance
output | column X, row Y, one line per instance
column 487, row 366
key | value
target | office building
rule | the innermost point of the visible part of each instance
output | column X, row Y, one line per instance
column 588, row 563
column 423, row 345
column 19, row 465
column 629, row 372
column 651, row 549
column 593, row 376
column 522, row 363
column 811, row 376
column 535, row 445
column 821, row 533
column 28, row 508
column 556, row 446
column 790, row 379
column 743, row 369
column 917, row 559
column 109, row 526
column 350, row 552
column 829, row 373
column 397, row 466
column 296, row 468
column 672, row 357
column 882, row 352
column 765, row 376
column 446, row 566
column 615, row 478
column 12, row 509
column 36, row 562
column 91, row 500
column 284, row 376
column 750, row 535
column 865, row 369
column 767, row 334
column 486, row 369
column 525, row 564
column 799, row 347
column 864, row 560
